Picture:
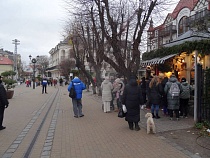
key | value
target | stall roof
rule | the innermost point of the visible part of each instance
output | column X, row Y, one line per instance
column 157, row 60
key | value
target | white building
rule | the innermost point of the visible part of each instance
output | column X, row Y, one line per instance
column 61, row 52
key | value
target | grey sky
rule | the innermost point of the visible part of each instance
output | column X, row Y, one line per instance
column 37, row 24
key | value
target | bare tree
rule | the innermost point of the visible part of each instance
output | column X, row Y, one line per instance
column 66, row 67
column 42, row 64
column 119, row 24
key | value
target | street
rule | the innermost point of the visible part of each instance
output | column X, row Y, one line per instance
column 42, row 125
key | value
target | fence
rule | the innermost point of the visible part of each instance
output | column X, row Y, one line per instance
column 203, row 88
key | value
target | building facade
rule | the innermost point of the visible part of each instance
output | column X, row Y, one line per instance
column 61, row 52
column 190, row 21
column 7, row 62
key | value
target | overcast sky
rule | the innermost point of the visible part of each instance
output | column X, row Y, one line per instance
column 37, row 24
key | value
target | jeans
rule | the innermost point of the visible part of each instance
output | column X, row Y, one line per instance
column 155, row 108
column 77, row 107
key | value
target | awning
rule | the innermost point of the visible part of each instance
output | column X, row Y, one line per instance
column 157, row 60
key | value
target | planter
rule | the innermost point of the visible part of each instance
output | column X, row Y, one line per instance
column 10, row 94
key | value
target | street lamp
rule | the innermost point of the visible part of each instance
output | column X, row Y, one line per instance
column 33, row 60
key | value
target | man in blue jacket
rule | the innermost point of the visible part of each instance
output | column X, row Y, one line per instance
column 79, row 86
column 44, row 85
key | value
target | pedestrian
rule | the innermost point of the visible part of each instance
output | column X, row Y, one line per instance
column 3, row 103
column 118, row 92
column 155, row 95
column 132, row 99
column 27, row 83
column 55, row 82
column 44, row 85
column 106, row 88
column 61, row 81
column 184, row 97
column 143, row 88
column 148, row 80
column 79, row 86
column 173, row 89
column 164, row 103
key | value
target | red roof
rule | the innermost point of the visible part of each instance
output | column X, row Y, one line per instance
column 184, row 4
column 5, row 61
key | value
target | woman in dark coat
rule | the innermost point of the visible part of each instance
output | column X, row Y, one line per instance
column 143, row 88
column 155, row 95
column 132, row 98
column 164, row 102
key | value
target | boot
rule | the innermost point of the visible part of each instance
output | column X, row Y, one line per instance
column 157, row 117
column 130, row 125
column 137, row 128
column 153, row 115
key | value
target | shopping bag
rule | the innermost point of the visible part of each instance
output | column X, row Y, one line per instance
column 124, row 108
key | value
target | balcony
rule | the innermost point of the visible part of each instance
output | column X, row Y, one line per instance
column 167, row 31
column 198, row 18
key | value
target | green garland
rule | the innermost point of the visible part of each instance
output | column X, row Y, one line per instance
column 164, row 68
column 202, row 46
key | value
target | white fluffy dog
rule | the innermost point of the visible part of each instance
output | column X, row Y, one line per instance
column 150, row 123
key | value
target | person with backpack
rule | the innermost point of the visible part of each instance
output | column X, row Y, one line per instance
column 184, row 97
column 173, row 89
column 79, row 86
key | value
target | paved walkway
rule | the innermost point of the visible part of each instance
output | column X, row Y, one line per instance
column 96, row 135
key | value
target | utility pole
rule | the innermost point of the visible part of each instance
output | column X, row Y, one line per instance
column 16, row 42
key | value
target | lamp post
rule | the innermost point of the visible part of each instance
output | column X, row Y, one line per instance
column 33, row 60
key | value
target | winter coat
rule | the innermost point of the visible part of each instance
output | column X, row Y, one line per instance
column 164, row 97
column 118, row 87
column 132, row 98
column 3, row 96
column 173, row 102
column 143, row 86
column 44, row 82
column 79, row 86
column 155, row 94
column 186, row 90
column 106, row 87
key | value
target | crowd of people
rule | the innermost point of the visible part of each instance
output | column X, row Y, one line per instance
column 154, row 93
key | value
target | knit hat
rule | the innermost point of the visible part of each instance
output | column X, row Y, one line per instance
column 183, row 79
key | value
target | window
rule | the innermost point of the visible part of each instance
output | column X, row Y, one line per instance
column 182, row 25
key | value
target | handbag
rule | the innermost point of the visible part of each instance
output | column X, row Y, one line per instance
column 72, row 92
column 121, row 113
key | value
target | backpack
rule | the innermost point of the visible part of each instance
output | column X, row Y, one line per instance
column 174, row 90
column 186, row 92
column 72, row 93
